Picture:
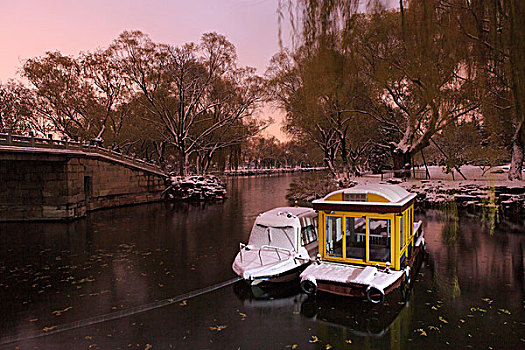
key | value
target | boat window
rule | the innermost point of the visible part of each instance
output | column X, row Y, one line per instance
column 308, row 230
column 282, row 237
column 308, row 234
column 379, row 240
column 334, row 236
column 355, row 238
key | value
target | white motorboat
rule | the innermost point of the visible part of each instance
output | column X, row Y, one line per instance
column 283, row 241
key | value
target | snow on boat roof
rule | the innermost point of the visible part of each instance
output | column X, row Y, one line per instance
column 284, row 216
column 396, row 195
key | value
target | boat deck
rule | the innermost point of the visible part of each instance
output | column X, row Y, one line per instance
column 351, row 274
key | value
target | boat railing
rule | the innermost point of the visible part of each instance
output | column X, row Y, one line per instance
column 270, row 247
column 241, row 247
column 374, row 238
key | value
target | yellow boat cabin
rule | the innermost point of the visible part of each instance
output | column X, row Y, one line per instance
column 362, row 231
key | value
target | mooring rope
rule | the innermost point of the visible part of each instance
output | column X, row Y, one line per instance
column 118, row 314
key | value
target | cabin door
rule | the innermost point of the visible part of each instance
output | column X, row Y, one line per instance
column 355, row 238
column 334, row 236
column 379, row 242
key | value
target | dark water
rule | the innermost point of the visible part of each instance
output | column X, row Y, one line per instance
column 469, row 292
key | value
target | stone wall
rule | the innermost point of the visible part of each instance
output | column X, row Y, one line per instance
column 55, row 186
column 110, row 185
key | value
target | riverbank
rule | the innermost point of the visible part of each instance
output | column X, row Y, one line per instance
column 480, row 191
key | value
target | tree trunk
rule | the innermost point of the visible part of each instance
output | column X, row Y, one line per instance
column 329, row 161
column 198, row 163
column 516, row 163
column 184, row 163
column 207, row 163
column 344, row 156
column 401, row 161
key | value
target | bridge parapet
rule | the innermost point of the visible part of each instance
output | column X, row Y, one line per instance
column 43, row 179
column 27, row 142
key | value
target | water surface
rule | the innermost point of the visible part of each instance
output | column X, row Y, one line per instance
column 469, row 292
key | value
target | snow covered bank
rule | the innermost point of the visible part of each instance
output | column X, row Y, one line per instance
column 197, row 188
column 474, row 196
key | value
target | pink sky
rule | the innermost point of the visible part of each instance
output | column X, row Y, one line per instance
column 28, row 28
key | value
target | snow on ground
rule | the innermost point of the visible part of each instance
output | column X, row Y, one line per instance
column 496, row 176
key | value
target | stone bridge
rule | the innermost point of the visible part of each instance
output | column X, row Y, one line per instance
column 45, row 179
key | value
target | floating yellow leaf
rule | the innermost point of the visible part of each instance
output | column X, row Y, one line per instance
column 183, row 303
column 47, row 329
column 505, row 311
column 294, row 346
column 218, row 328
column 348, row 341
column 442, row 319
column 421, row 332
column 148, row 346
column 314, row 339
column 88, row 337
column 328, row 346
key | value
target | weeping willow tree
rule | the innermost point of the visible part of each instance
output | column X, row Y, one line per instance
column 495, row 30
column 414, row 61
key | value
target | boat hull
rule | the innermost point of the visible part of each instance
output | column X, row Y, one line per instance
column 246, row 265
column 283, row 277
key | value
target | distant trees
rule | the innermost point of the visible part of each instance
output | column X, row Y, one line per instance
column 268, row 152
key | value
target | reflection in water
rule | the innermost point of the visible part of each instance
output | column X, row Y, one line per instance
column 469, row 293
column 272, row 298
column 388, row 323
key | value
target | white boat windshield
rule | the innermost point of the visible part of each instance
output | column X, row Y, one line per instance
column 282, row 237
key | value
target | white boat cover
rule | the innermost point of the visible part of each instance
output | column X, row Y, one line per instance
column 282, row 237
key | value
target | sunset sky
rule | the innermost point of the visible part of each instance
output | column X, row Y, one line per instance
column 28, row 28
